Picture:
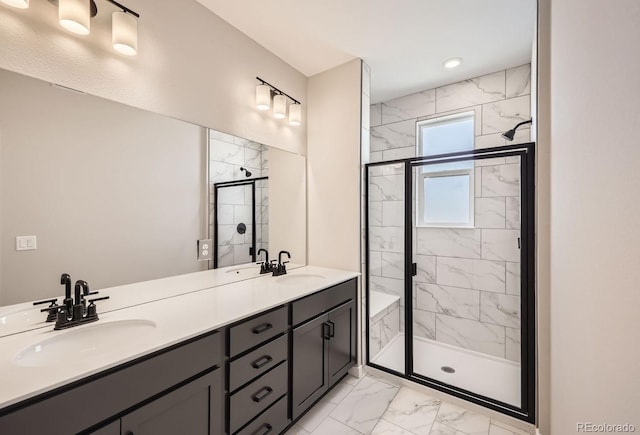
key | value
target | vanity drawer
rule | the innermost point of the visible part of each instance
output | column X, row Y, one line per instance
column 257, row 362
column 257, row 396
column 272, row 421
column 322, row 301
column 257, row 330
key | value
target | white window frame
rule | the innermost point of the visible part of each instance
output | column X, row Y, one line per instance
column 423, row 174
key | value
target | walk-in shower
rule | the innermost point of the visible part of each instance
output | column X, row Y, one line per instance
column 449, row 273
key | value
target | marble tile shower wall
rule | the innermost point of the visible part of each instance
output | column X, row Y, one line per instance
column 467, row 290
column 227, row 154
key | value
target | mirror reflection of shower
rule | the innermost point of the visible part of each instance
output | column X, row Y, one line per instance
column 239, row 199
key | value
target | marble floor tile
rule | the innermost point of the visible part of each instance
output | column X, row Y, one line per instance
column 296, row 430
column 330, row 426
column 442, row 429
column 385, row 428
column 338, row 393
column 365, row 404
column 351, row 380
column 316, row 415
column 412, row 411
column 510, row 428
column 463, row 420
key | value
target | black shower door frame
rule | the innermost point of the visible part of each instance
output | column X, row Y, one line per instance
column 227, row 184
column 526, row 152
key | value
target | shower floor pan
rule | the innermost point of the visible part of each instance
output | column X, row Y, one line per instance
column 493, row 377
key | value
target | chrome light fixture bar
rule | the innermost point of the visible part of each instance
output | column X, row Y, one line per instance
column 264, row 93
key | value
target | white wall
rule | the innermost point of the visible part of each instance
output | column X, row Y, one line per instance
column 333, row 167
column 114, row 194
column 595, row 239
column 191, row 65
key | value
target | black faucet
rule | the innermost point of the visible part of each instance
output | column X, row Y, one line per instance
column 265, row 266
column 65, row 279
column 281, row 268
column 74, row 311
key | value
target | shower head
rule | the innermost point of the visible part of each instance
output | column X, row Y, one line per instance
column 508, row 135
column 246, row 171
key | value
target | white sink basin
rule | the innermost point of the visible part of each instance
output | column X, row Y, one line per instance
column 299, row 278
column 245, row 270
column 19, row 318
column 85, row 343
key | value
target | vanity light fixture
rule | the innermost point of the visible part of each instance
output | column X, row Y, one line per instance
column 279, row 106
column 124, row 32
column 263, row 97
column 295, row 114
column 20, row 4
column 264, row 92
column 75, row 16
column 452, row 62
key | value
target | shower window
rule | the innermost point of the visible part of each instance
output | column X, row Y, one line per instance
column 446, row 191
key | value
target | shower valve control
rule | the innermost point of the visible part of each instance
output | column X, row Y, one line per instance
column 205, row 249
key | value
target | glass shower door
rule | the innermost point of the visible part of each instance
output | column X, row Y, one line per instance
column 385, row 248
column 466, row 316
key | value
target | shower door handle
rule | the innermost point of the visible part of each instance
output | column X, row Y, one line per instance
column 414, row 269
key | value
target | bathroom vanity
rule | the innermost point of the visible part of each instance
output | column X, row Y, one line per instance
column 244, row 358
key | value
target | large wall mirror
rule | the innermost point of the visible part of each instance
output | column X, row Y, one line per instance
column 116, row 195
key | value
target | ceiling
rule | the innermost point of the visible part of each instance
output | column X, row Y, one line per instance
column 403, row 41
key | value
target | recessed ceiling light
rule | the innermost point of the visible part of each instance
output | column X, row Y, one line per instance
column 452, row 62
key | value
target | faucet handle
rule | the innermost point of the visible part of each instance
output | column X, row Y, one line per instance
column 48, row 301
column 92, row 312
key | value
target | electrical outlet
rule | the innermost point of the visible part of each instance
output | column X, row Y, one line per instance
column 26, row 243
column 205, row 250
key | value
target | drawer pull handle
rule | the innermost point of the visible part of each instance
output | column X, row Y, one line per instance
column 268, row 428
column 261, row 394
column 326, row 331
column 262, row 361
column 332, row 329
column 262, row 328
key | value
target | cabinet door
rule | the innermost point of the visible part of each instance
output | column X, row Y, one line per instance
column 110, row 429
column 194, row 409
column 342, row 345
column 309, row 364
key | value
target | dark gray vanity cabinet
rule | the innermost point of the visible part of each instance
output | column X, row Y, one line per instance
column 324, row 345
column 258, row 374
column 192, row 409
column 177, row 387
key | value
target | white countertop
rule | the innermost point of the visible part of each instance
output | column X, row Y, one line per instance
column 24, row 316
column 176, row 319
